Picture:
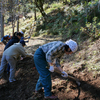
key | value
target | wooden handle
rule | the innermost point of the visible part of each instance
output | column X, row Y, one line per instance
column 70, row 77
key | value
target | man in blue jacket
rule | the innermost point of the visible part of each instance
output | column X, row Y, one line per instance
column 15, row 39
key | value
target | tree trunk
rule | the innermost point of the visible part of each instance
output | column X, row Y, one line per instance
column 35, row 14
column 2, row 25
column 40, row 7
column 18, row 18
column 17, row 23
column 42, row 12
column 12, row 25
column 2, row 21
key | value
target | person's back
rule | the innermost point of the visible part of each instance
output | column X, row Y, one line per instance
column 15, row 50
column 12, row 41
column 15, row 39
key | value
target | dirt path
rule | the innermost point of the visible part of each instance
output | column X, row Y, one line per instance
column 65, row 89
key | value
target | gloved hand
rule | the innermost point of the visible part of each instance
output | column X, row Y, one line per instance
column 64, row 74
column 51, row 69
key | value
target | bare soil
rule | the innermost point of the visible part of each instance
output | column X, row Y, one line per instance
column 65, row 89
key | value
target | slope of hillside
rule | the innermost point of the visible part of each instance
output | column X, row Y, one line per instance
column 84, row 65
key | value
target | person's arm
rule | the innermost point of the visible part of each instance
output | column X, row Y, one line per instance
column 23, row 53
column 60, row 69
column 51, row 64
column 57, row 64
column 26, row 37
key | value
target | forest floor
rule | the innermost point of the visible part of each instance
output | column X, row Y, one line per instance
column 65, row 89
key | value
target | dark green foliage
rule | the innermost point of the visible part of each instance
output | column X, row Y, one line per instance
column 70, row 23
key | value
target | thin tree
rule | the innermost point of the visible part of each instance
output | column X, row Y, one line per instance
column 39, row 4
column 2, row 19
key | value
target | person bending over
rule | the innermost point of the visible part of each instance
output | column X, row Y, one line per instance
column 45, row 55
column 11, row 56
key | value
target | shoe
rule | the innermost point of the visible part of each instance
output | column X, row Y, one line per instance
column 13, row 80
column 41, row 90
column 51, row 97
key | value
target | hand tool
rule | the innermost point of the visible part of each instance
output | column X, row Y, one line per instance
column 70, row 77
column 73, row 78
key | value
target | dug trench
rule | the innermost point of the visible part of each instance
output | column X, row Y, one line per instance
column 65, row 89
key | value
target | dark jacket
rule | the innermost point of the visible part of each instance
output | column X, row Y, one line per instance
column 14, row 39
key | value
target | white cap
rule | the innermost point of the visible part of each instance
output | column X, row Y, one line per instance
column 72, row 44
column 21, row 32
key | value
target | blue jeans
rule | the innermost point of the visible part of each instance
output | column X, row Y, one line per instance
column 45, row 76
column 8, row 68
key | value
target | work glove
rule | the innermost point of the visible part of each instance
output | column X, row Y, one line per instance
column 64, row 74
column 51, row 69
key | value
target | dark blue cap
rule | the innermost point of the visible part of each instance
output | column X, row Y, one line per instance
column 22, row 42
